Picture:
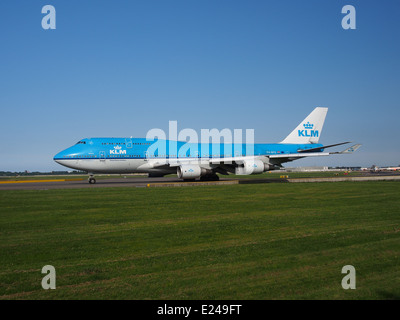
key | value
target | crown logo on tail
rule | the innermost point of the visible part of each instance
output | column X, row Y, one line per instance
column 308, row 125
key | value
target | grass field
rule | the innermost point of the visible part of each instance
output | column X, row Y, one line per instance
column 269, row 174
column 264, row 241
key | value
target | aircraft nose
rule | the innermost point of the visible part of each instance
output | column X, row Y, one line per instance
column 58, row 157
column 65, row 156
column 61, row 155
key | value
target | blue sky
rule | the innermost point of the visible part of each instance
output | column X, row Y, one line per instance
column 120, row 68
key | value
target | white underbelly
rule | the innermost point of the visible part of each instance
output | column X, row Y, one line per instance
column 107, row 165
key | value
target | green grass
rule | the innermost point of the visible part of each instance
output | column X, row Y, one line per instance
column 266, row 175
column 305, row 174
column 268, row 241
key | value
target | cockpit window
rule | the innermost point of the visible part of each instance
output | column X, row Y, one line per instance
column 81, row 142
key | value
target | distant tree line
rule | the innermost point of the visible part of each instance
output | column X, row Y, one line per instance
column 37, row 173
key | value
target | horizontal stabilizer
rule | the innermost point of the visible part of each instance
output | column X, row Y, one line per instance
column 349, row 150
column 323, row 147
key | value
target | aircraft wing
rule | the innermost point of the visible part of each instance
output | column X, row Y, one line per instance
column 157, row 163
column 162, row 162
column 273, row 159
column 277, row 159
column 294, row 156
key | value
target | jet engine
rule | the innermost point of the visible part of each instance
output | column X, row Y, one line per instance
column 252, row 167
column 189, row 171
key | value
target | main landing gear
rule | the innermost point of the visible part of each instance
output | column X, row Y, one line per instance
column 209, row 177
column 91, row 179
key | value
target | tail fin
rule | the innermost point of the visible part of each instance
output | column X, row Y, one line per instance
column 309, row 130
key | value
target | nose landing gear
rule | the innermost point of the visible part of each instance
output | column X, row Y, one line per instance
column 91, row 179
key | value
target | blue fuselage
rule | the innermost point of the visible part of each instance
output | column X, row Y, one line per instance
column 140, row 148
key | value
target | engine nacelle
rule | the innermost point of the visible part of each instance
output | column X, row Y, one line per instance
column 189, row 171
column 252, row 167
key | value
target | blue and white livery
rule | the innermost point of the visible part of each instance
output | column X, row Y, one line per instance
column 138, row 155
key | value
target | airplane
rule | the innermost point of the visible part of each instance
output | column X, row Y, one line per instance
column 375, row 168
column 391, row 168
column 131, row 155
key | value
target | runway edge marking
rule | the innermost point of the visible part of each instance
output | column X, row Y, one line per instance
column 192, row 184
column 39, row 181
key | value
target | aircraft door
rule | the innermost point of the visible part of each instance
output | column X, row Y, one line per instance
column 128, row 143
column 102, row 156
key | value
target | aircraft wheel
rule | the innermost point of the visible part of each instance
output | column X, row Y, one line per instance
column 92, row 180
column 209, row 177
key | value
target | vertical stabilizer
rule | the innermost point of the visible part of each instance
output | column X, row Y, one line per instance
column 309, row 130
